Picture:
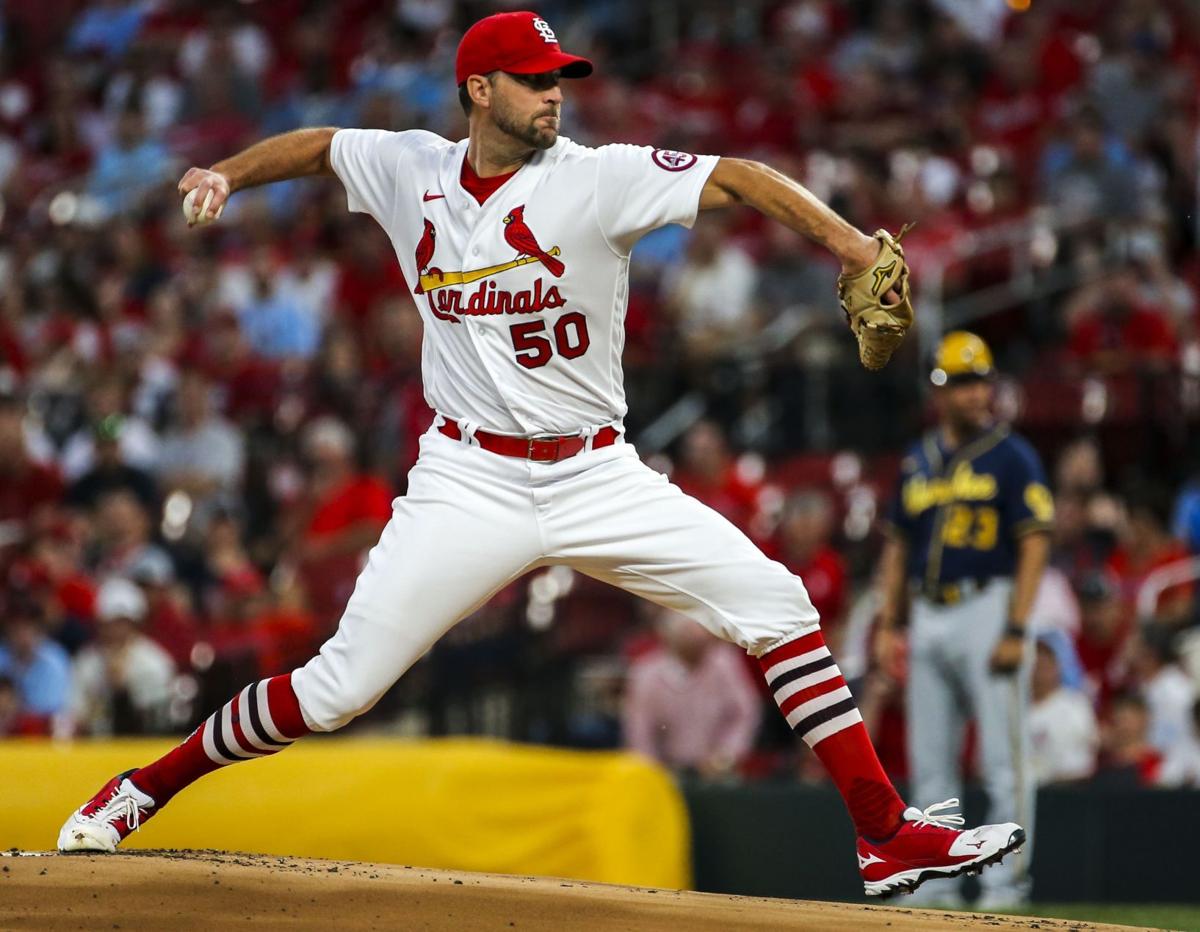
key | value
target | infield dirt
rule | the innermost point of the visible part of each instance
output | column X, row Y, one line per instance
column 219, row 890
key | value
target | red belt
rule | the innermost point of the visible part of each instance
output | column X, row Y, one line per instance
column 538, row 449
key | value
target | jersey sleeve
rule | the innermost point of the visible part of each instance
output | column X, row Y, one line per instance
column 369, row 163
column 1029, row 505
column 639, row 189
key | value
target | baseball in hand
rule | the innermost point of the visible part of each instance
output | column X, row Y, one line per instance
column 189, row 208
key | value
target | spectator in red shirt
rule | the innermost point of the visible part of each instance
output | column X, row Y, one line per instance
column 804, row 549
column 1147, row 545
column 53, row 575
column 709, row 472
column 1127, row 758
column 1104, row 630
column 286, row 630
column 249, row 386
column 169, row 616
column 368, row 273
column 228, row 569
column 346, row 513
column 1121, row 334
column 1012, row 108
column 232, row 603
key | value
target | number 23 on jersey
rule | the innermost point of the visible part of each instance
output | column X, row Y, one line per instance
column 967, row 526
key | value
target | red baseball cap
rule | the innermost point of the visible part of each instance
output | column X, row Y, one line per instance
column 519, row 43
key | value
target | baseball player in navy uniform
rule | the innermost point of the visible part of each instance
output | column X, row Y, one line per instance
column 515, row 242
column 968, row 541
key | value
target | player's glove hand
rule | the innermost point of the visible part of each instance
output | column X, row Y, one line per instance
column 879, row 327
column 1008, row 654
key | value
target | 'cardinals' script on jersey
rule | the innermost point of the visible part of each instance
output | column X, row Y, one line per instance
column 523, row 297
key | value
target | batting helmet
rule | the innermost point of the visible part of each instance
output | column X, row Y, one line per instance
column 960, row 356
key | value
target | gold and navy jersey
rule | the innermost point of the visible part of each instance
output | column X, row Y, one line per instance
column 962, row 511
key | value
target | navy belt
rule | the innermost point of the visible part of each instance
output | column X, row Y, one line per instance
column 951, row 593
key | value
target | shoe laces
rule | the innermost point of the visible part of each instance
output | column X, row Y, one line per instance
column 929, row 816
column 121, row 805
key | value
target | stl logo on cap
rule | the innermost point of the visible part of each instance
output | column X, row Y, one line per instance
column 520, row 42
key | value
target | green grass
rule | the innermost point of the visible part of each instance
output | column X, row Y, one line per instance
column 1154, row 915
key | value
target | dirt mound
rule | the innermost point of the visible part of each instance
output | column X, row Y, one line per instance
column 214, row 889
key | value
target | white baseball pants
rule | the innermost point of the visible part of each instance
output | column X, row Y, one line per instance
column 473, row 521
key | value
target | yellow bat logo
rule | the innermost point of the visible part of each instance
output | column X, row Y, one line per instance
column 434, row 281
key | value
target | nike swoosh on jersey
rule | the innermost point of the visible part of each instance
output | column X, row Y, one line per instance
column 431, row 197
column 869, row 859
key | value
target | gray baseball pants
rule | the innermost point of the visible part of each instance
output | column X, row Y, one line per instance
column 950, row 682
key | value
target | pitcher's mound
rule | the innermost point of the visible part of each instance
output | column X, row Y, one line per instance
column 217, row 890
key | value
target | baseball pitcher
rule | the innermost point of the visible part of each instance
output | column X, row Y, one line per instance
column 515, row 242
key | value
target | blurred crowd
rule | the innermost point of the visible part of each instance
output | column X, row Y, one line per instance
column 201, row 431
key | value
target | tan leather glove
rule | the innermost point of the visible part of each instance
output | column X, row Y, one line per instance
column 879, row 327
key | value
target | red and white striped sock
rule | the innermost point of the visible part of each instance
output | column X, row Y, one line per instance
column 262, row 719
column 818, row 705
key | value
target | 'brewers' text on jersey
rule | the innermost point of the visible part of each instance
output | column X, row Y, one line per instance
column 960, row 512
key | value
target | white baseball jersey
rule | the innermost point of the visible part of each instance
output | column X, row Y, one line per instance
column 523, row 300
column 523, row 297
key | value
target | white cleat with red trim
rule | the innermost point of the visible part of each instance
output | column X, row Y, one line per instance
column 929, row 845
column 103, row 821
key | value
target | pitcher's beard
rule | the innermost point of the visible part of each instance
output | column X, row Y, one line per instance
column 530, row 133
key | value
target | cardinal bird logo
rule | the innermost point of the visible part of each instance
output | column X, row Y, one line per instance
column 518, row 235
column 445, row 284
column 425, row 249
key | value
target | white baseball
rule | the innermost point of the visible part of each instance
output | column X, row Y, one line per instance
column 189, row 208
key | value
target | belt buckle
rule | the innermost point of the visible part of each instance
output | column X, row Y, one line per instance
column 548, row 452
